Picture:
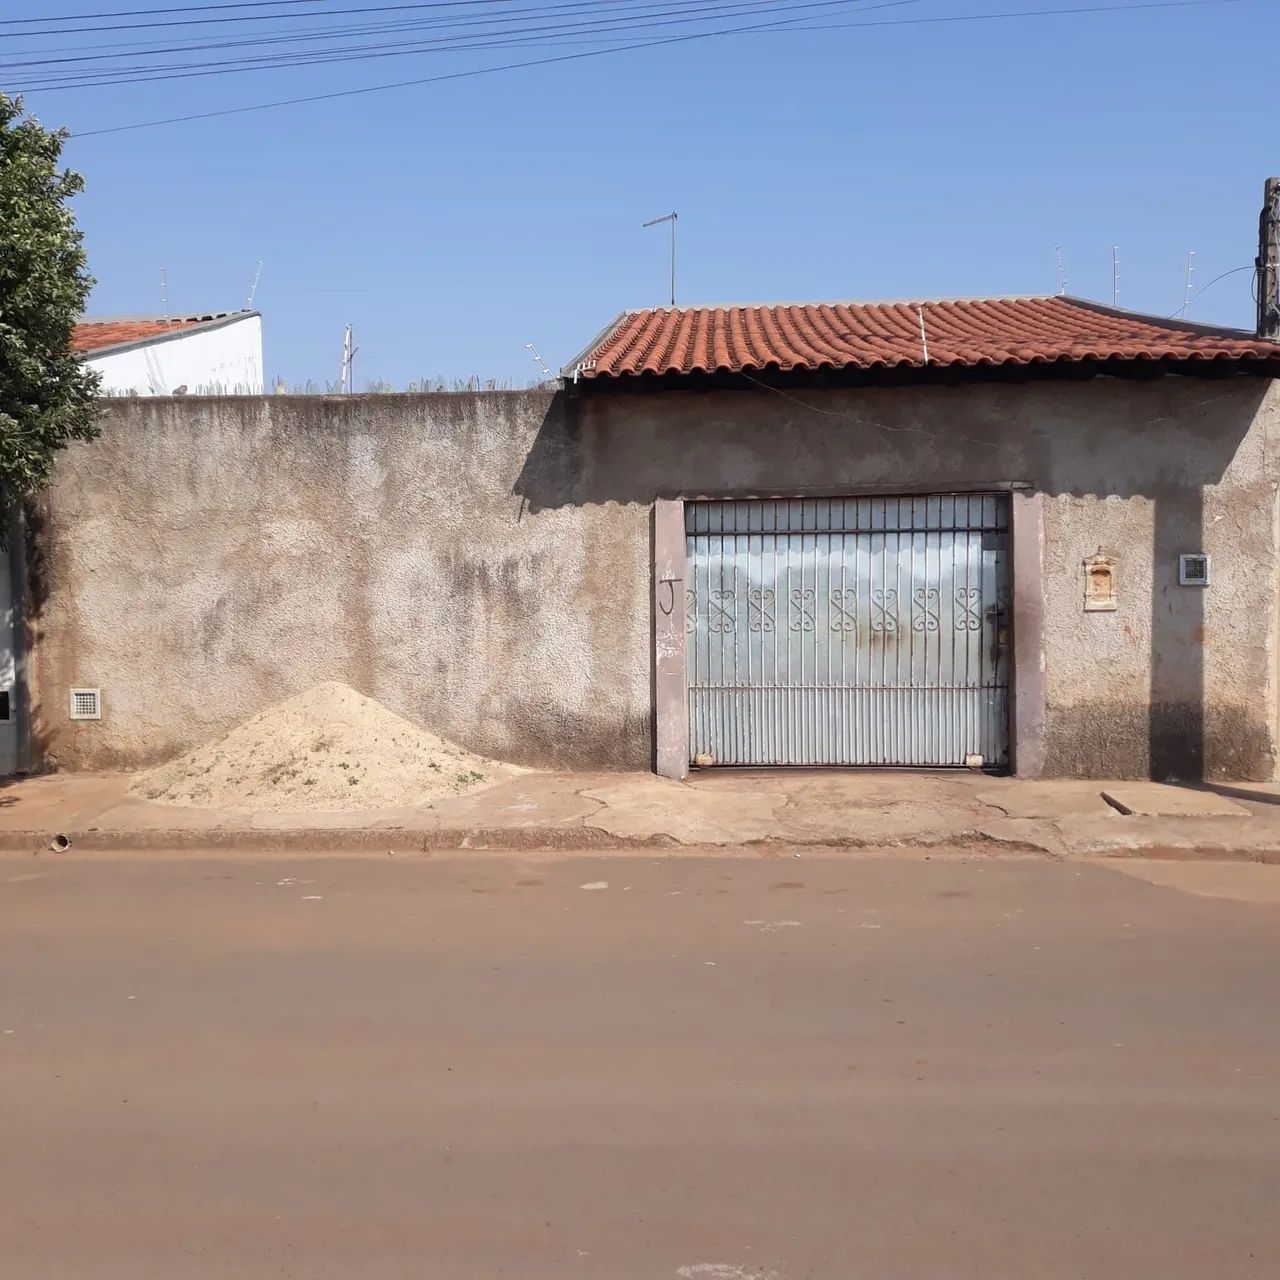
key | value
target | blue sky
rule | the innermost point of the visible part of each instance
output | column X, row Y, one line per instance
column 452, row 223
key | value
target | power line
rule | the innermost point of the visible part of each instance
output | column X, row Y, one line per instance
column 415, row 24
column 1019, row 13
column 454, row 75
column 562, row 16
column 513, row 38
column 786, row 24
column 141, row 13
column 298, row 35
column 1235, row 271
column 253, row 17
column 86, row 53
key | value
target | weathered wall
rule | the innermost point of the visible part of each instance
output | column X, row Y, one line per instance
column 1178, row 682
column 208, row 557
column 482, row 563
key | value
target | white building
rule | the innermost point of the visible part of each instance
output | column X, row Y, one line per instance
column 218, row 352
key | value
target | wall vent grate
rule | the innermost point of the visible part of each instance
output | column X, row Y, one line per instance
column 1194, row 570
column 86, row 704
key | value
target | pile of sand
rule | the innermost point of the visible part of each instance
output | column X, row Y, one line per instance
column 329, row 748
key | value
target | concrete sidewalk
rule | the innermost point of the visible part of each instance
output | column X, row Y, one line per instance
column 821, row 809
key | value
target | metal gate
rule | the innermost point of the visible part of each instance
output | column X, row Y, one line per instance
column 860, row 631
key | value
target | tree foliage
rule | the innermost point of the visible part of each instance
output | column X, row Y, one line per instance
column 47, row 394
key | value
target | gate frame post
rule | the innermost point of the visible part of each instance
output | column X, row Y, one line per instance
column 1028, row 712
column 670, row 679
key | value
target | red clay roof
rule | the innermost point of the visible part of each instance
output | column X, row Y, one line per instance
column 98, row 335
column 965, row 333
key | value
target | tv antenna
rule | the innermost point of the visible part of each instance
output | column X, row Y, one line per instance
column 1115, row 275
column 1062, row 272
column 253, row 288
column 164, row 292
column 1186, row 289
column 542, row 364
column 348, row 362
column 672, row 218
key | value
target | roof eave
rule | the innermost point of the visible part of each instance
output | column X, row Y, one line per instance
column 1063, row 368
column 571, row 371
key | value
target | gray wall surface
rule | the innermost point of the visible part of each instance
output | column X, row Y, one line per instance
column 208, row 557
column 481, row 563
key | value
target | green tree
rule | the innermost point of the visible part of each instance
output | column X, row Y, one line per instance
column 47, row 394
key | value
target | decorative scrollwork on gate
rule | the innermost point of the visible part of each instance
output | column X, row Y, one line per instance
column 690, row 611
column 926, row 601
column 844, row 609
column 760, row 602
column 884, row 611
column 803, row 609
column 969, row 617
column 722, row 621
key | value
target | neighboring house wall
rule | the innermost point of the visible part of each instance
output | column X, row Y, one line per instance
column 213, row 359
column 482, row 563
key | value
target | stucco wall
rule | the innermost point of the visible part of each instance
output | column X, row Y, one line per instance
column 481, row 563
column 208, row 557
column 1178, row 681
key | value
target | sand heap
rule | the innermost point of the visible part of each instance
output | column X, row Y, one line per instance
column 329, row 748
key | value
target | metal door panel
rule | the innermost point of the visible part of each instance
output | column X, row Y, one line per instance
column 848, row 631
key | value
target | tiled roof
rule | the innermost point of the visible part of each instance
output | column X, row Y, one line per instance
column 97, row 335
column 963, row 333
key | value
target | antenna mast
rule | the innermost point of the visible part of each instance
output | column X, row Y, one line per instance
column 1186, row 291
column 1062, row 273
column 672, row 218
column 542, row 364
column 253, row 288
column 348, row 362
column 164, row 292
column 1115, row 275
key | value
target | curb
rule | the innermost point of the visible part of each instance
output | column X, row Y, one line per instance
column 584, row 839
column 320, row 840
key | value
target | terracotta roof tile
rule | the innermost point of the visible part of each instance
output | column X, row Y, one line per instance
column 964, row 333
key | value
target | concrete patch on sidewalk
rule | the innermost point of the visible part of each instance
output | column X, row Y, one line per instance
column 865, row 809
column 146, row 815
column 1160, row 800
column 860, row 827
column 532, row 800
column 1058, row 799
column 1024, row 833
column 643, row 806
column 1171, row 837
column 412, row 818
column 61, row 801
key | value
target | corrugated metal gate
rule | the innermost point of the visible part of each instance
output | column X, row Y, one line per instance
column 867, row 631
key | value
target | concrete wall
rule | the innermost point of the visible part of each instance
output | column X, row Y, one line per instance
column 481, row 563
column 1178, row 681
column 226, row 359
column 208, row 557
